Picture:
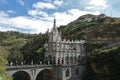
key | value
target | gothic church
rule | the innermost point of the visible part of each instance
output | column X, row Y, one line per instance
column 66, row 54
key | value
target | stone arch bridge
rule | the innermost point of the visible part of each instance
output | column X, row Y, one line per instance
column 46, row 72
column 31, row 71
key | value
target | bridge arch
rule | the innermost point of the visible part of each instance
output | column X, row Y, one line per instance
column 46, row 74
column 21, row 75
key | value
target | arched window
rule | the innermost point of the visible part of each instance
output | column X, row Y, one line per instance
column 50, row 57
column 77, row 71
column 67, row 60
column 71, row 59
column 62, row 61
column 54, row 60
column 75, row 58
column 58, row 60
column 79, row 58
column 46, row 58
column 67, row 72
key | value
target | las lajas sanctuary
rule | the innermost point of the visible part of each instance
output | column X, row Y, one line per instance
column 66, row 55
column 65, row 58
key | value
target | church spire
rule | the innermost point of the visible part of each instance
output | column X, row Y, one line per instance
column 54, row 24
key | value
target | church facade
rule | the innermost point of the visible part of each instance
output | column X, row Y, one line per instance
column 66, row 55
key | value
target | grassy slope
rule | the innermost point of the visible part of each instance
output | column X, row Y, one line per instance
column 104, row 28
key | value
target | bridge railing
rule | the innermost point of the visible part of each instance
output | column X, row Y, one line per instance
column 27, row 66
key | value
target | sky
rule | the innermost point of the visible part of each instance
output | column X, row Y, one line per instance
column 36, row 16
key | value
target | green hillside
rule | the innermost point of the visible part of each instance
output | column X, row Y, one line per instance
column 13, row 41
column 92, row 27
column 23, row 47
column 34, row 50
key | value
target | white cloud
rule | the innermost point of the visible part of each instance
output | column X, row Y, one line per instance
column 37, row 12
column 7, row 29
column 3, row 14
column 21, row 2
column 11, row 11
column 22, row 22
column 39, row 7
column 58, row 2
column 43, row 5
column 47, row 0
column 28, row 23
column 90, row 7
column 97, row 5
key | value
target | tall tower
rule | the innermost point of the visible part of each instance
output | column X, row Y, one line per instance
column 54, row 24
column 54, row 35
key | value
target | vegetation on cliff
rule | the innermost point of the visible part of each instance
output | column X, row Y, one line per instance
column 3, row 61
column 13, row 41
column 105, row 64
column 93, row 27
column 34, row 50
